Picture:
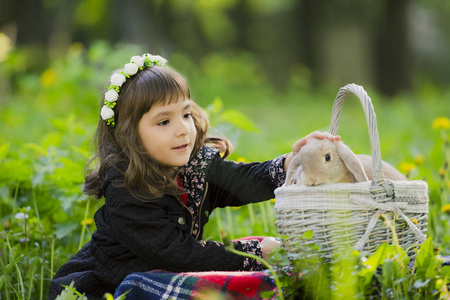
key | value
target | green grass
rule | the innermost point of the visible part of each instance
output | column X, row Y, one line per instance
column 47, row 122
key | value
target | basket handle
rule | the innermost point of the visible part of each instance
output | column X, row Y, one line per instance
column 378, row 172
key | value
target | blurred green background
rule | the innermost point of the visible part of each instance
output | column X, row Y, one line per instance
column 267, row 71
column 294, row 54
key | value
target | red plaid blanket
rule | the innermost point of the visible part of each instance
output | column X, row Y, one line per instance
column 195, row 285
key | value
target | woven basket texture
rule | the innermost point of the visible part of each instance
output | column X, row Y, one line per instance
column 339, row 216
column 352, row 215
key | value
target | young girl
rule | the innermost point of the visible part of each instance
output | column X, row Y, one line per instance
column 160, row 183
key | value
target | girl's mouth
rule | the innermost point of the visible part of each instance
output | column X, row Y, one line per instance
column 182, row 147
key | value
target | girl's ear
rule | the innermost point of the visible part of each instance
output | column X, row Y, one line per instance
column 352, row 162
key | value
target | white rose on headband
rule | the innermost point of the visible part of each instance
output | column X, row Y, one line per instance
column 131, row 68
column 111, row 96
column 147, row 55
column 106, row 113
column 138, row 60
column 117, row 79
column 156, row 58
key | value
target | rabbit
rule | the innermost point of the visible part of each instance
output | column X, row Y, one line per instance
column 323, row 161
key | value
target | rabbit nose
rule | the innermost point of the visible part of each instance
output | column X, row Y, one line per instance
column 313, row 181
column 309, row 181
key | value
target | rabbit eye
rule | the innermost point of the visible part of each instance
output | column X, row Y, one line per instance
column 327, row 157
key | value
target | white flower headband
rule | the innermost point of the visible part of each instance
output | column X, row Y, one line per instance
column 118, row 79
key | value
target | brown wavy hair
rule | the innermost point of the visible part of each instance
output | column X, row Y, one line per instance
column 121, row 147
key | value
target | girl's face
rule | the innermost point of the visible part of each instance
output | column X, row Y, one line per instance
column 168, row 133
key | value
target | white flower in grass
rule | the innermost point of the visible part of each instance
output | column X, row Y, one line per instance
column 106, row 113
column 138, row 60
column 118, row 79
column 111, row 95
column 21, row 216
column 131, row 69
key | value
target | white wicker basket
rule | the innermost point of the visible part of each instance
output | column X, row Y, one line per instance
column 347, row 215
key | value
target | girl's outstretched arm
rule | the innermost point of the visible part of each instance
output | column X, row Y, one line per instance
column 236, row 184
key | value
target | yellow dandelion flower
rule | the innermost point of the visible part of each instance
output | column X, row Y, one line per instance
column 242, row 159
column 48, row 77
column 441, row 123
column 272, row 200
column 108, row 296
column 419, row 159
column 407, row 167
column 414, row 220
column 439, row 284
column 446, row 209
column 87, row 222
column 442, row 171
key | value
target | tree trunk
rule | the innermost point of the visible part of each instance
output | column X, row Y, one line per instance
column 393, row 53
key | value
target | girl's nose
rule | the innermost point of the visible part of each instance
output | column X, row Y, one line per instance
column 183, row 128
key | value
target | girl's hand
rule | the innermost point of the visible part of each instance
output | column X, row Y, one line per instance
column 267, row 245
column 301, row 142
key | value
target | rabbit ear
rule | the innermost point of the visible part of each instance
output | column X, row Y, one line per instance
column 293, row 171
column 352, row 162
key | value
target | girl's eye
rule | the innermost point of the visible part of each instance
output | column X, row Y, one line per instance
column 188, row 115
column 163, row 123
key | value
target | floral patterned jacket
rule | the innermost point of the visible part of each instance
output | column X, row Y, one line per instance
column 136, row 236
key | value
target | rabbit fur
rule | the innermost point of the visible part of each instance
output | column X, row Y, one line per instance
column 324, row 161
